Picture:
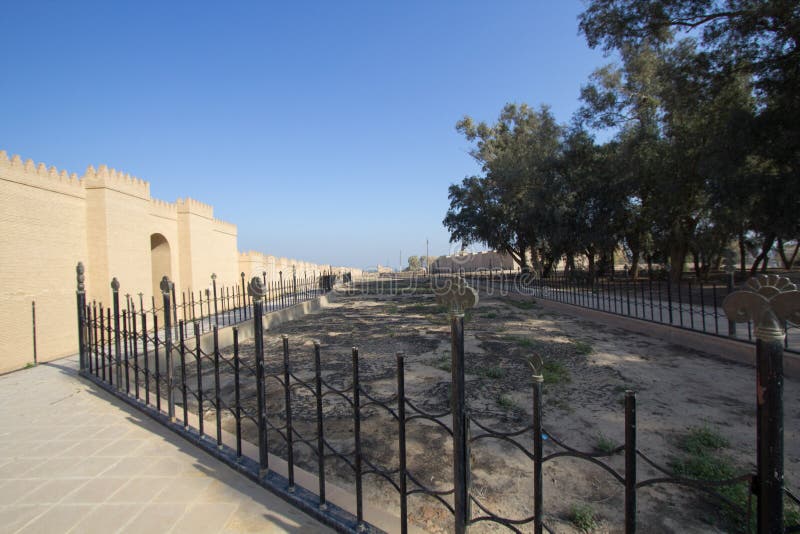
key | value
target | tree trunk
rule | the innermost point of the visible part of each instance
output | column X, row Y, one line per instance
column 547, row 266
column 590, row 261
column 516, row 257
column 569, row 265
column 742, row 253
column 696, row 260
column 634, row 271
column 762, row 256
column 677, row 256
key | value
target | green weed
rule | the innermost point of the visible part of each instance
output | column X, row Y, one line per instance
column 704, row 458
column 555, row 372
column 494, row 372
column 605, row 444
column 505, row 402
column 582, row 348
column 522, row 304
column 583, row 517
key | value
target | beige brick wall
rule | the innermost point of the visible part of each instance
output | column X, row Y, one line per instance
column 42, row 237
column 50, row 221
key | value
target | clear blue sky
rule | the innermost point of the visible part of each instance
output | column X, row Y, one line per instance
column 324, row 130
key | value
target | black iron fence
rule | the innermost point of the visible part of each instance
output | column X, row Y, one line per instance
column 690, row 305
column 190, row 382
column 225, row 305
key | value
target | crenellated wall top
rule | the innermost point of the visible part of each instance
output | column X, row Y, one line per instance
column 225, row 227
column 195, row 207
column 106, row 178
column 39, row 176
column 162, row 208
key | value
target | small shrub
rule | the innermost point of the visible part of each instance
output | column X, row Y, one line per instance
column 605, row 444
column 492, row 372
column 420, row 308
column 505, row 402
column 491, row 315
column 705, row 459
column 522, row 304
column 443, row 363
column 555, row 372
column 699, row 440
column 524, row 343
column 582, row 348
column 29, row 365
column 583, row 517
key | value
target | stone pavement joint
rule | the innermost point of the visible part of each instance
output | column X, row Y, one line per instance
column 75, row 459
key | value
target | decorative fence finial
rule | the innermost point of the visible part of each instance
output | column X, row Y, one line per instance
column 165, row 285
column 457, row 296
column 115, row 284
column 213, row 276
column 256, row 287
column 537, row 366
column 768, row 301
column 79, row 270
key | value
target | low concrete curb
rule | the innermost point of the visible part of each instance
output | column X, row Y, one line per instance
column 727, row 349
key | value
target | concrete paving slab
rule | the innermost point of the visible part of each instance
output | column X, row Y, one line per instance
column 75, row 459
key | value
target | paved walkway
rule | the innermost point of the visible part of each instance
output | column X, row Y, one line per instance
column 74, row 459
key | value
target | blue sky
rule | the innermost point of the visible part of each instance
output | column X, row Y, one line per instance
column 324, row 130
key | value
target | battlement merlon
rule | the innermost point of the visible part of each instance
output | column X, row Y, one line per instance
column 39, row 176
column 161, row 208
column 225, row 227
column 105, row 178
column 195, row 207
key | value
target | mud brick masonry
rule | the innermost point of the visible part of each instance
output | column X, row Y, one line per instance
column 50, row 220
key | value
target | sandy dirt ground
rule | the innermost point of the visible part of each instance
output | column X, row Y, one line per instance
column 589, row 367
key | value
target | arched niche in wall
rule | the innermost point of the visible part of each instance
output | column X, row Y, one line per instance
column 161, row 261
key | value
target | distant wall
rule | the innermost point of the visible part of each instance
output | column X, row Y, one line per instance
column 106, row 219
column 475, row 261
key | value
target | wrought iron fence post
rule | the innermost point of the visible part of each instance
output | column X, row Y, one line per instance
column 266, row 291
column 244, row 297
column 257, row 292
column 538, row 497
column 458, row 297
column 320, row 427
column 731, row 323
column 669, row 296
column 214, row 286
column 82, row 325
column 287, row 392
column 117, row 351
column 401, row 427
column 166, row 288
column 174, row 303
column 768, row 301
column 630, row 462
column 357, row 439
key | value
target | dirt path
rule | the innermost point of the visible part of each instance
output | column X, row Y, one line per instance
column 588, row 368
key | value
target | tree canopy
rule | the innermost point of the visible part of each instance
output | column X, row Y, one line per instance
column 704, row 108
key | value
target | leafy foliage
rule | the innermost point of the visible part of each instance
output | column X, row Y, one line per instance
column 705, row 115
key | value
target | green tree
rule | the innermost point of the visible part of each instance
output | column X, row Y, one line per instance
column 414, row 264
column 755, row 45
column 514, row 206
